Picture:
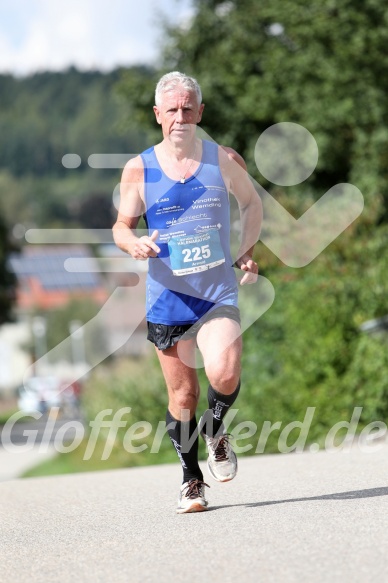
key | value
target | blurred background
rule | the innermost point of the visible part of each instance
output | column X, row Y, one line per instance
column 78, row 79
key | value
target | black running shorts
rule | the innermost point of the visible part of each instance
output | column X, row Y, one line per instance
column 164, row 336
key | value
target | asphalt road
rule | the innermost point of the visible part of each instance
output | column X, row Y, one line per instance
column 311, row 517
column 37, row 431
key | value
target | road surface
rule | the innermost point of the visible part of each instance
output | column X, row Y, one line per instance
column 29, row 443
column 44, row 429
column 311, row 517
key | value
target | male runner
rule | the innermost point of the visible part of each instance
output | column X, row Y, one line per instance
column 182, row 187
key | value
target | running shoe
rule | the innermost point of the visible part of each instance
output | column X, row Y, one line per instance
column 192, row 497
column 222, row 461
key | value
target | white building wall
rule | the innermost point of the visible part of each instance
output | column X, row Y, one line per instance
column 14, row 360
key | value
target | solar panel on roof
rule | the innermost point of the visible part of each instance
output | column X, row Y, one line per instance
column 48, row 267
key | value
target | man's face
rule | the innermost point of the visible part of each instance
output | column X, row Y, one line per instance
column 178, row 114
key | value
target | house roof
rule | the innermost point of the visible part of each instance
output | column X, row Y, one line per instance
column 47, row 264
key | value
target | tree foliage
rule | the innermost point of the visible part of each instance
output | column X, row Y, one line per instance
column 42, row 118
column 7, row 279
column 308, row 350
column 47, row 115
column 320, row 63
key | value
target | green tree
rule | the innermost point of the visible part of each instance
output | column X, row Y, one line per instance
column 42, row 118
column 320, row 63
column 308, row 350
column 7, row 278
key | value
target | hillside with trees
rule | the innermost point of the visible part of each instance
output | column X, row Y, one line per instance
column 46, row 116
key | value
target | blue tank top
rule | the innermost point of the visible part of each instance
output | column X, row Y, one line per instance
column 193, row 272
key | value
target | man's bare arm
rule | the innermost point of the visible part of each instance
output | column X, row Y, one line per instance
column 130, row 210
column 251, row 210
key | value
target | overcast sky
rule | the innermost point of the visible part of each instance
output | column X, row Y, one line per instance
column 37, row 35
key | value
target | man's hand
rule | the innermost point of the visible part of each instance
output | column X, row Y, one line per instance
column 246, row 263
column 144, row 247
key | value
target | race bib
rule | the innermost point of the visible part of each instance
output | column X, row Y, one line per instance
column 194, row 253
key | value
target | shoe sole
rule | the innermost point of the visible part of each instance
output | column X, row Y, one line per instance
column 194, row 508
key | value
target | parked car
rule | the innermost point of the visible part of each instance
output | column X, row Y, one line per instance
column 39, row 394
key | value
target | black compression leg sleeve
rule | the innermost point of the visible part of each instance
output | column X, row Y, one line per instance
column 218, row 407
column 184, row 437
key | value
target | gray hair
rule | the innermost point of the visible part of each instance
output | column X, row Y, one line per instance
column 175, row 79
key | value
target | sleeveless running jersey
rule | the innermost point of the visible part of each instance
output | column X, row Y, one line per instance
column 193, row 272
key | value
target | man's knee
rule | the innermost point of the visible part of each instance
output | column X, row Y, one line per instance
column 184, row 398
column 223, row 379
